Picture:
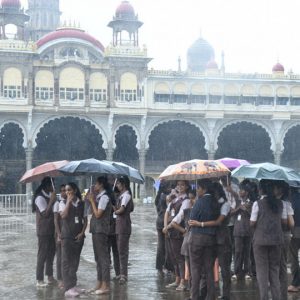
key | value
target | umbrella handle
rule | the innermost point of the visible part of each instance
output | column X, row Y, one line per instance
column 52, row 183
column 115, row 184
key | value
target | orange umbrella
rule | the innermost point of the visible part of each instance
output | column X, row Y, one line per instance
column 195, row 169
column 48, row 169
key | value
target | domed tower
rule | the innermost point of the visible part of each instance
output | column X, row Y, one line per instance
column 199, row 55
column 11, row 13
column 44, row 18
column 125, row 20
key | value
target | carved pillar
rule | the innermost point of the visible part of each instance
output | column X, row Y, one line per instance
column 29, row 157
column 211, row 154
column 277, row 155
column 87, row 93
column 109, row 153
column 142, row 158
column 30, row 90
column 56, row 91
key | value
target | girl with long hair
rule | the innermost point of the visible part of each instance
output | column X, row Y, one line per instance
column 73, row 226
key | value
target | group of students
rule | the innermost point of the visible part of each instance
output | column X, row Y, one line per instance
column 61, row 223
column 217, row 222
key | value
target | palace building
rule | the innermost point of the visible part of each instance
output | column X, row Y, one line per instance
column 65, row 95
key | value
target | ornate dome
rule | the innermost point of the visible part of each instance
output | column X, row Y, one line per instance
column 125, row 10
column 11, row 3
column 212, row 65
column 278, row 68
column 71, row 33
column 199, row 54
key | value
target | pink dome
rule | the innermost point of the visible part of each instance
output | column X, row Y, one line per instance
column 69, row 33
column 212, row 65
column 11, row 3
column 278, row 68
column 125, row 9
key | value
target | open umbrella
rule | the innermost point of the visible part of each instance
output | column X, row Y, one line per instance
column 233, row 163
column 88, row 167
column 50, row 169
column 125, row 170
column 195, row 169
column 268, row 171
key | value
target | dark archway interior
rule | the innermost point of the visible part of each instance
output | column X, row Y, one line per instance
column 245, row 141
column 126, row 150
column 12, row 158
column 175, row 141
column 290, row 156
column 68, row 138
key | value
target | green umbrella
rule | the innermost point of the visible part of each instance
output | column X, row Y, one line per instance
column 268, row 171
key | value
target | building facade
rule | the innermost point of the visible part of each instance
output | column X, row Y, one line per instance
column 63, row 95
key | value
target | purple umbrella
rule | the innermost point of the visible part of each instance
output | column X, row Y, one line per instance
column 233, row 163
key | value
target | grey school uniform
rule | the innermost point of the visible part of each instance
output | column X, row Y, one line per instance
column 267, row 241
column 100, row 229
column 46, row 240
column 123, row 231
column 242, row 239
column 72, row 225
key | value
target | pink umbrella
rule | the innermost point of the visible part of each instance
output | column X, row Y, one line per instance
column 233, row 163
column 48, row 169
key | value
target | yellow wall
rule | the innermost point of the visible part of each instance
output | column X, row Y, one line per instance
column 72, row 78
column 98, row 81
column 129, row 81
column 12, row 76
column 44, row 79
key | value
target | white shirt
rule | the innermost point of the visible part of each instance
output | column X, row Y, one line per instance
column 56, row 204
column 62, row 205
column 255, row 210
column 125, row 198
column 41, row 202
column 175, row 200
column 180, row 216
column 102, row 200
column 225, row 209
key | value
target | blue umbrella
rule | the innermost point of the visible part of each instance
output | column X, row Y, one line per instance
column 268, row 171
column 88, row 167
column 125, row 170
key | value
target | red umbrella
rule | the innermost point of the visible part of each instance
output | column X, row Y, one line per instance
column 48, row 169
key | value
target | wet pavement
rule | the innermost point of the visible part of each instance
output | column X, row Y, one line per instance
column 18, row 260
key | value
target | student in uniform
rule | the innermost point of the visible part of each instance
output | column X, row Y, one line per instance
column 57, row 223
column 178, row 201
column 267, row 221
column 202, row 241
column 42, row 204
column 161, row 206
column 123, row 209
column 224, row 243
column 73, row 228
column 281, row 192
column 100, row 228
column 242, row 233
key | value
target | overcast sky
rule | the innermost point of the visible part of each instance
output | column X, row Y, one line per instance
column 254, row 34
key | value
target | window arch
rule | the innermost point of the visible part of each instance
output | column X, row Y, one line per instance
column 71, row 84
column 129, row 87
column 98, row 87
column 12, row 83
column 44, row 85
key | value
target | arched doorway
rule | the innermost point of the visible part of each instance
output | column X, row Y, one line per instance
column 126, row 151
column 245, row 140
column 12, row 158
column 173, row 142
column 68, row 138
column 290, row 156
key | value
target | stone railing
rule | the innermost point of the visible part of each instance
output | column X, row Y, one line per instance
column 17, row 45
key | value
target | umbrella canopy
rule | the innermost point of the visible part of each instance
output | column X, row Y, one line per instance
column 268, row 171
column 88, row 167
column 125, row 170
column 195, row 169
column 48, row 169
column 233, row 163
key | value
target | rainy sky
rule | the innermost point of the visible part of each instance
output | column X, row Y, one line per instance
column 254, row 34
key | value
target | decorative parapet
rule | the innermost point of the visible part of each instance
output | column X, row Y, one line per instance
column 126, row 50
column 17, row 45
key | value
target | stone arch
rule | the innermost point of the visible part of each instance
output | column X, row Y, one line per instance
column 69, row 138
column 162, row 88
column 24, row 131
column 180, row 88
column 290, row 144
column 44, row 122
column 198, row 89
column 282, row 91
column 266, row 91
column 173, row 141
column 201, row 129
column 246, row 140
column 125, row 144
column 231, row 90
column 128, row 81
column 221, row 127
column 135, row 129
column 71, row 77
column 248, row 90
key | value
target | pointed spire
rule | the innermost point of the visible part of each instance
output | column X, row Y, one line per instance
column 179, row 64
